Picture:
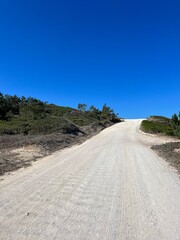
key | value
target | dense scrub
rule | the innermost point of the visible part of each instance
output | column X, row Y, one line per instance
column 20, row 115
column 163, row 125
column 156, row 127
column 175, row 123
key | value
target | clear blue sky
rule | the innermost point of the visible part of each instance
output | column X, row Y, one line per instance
column 125, row 53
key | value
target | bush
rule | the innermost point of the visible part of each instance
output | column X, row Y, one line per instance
column 32, row 116
column 175, row 123
column 153, row 127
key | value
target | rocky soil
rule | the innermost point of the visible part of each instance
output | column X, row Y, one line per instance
column 170, row 152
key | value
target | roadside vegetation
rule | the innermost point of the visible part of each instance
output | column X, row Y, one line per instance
column 31, row 129
column 20, row 115
column 169, row 127
column 162, row 125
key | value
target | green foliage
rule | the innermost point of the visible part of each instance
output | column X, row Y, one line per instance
column 94, row 112
column 154, row 127
column 175, row 123
column 175, row 119
column 9, row 106
column 108, row 114
column 176, row 131
column 32, row 116
column 160, row 124
column 160, row 119
column 82, row 107
column 93, row 109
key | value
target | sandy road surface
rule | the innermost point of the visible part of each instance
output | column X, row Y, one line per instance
column 111, row 187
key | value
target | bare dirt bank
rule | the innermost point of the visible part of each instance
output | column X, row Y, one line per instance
column 17, row 151
column 170, row 152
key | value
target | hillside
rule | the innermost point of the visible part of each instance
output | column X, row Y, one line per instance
column 38, row 128
column 162, row 125
column 157, row 125
column 168, row 127
column 32, row 116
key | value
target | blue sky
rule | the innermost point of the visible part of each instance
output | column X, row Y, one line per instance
column 123, row 53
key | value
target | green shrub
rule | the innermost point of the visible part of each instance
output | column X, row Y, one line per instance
column 175, row 123
column 32, row 116
column 154, row 127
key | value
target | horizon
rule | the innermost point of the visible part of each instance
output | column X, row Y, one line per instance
column 124, row 54
column 88, row 106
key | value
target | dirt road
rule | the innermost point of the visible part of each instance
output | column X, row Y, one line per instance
column 113, row 186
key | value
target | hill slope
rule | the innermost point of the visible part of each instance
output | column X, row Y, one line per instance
column 30, row 128
column 157, row 124
column 165, row 126
column 32, row 116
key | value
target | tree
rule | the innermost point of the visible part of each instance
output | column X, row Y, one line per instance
column 82, row 107
column 107, row 112
column 96, row 113
column 94, row 110
column 175, row 123
column 175, row 118
column 2, row 106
